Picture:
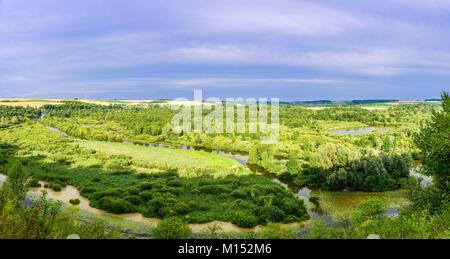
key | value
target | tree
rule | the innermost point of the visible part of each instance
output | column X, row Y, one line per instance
column 434, row 143
column 292, row 166
column 171, row 228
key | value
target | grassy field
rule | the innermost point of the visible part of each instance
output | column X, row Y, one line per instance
column 170, row 158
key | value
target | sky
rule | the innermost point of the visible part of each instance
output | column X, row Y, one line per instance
column 287, row 49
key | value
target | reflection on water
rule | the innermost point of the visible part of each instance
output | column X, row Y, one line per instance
column 359, row 131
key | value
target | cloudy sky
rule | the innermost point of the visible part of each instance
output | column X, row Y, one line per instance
column 294, row 50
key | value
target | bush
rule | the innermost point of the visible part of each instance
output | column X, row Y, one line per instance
column 56, row 187
column 147, row 195
column 240, row 194
column 88, row 190
column 145, row 186
column 134, row 199
column 113, row 165
column 269, row 214
column 318, row 229
column 74, row 201
column 115, row 205
column 276, row 231
column 175, row 183
column 214, row 189
column 34, row 183
column 171, row 228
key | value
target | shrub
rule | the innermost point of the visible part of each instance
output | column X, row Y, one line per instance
column 34, row 183
column 134, row 199
column 318, row 229
column 269, row 214
column 214, row 189
column 175, row 183
column 113, row 165
column 115, row 205
column 240, row 194
column 145, row 186
column 369, row 209
column 276, row 231
column 171, row 228
column 56, row 187
column 74, row 201
column 147, row 195
column 87, row 190
column 181, row 208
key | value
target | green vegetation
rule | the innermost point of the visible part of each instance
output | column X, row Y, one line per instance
column 428, row 214
column 343, row 204
column 40, row 218
column 274, row 231
column 318, row 157
column 381, row 173
column 10, row 116
column 434, row 143
column 187, row 186
column 187, row 162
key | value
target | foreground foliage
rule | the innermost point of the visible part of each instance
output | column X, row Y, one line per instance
column 38, row 217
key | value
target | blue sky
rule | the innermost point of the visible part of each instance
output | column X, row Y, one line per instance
column 291, row 49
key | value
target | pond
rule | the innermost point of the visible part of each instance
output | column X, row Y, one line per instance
column 359, row 131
